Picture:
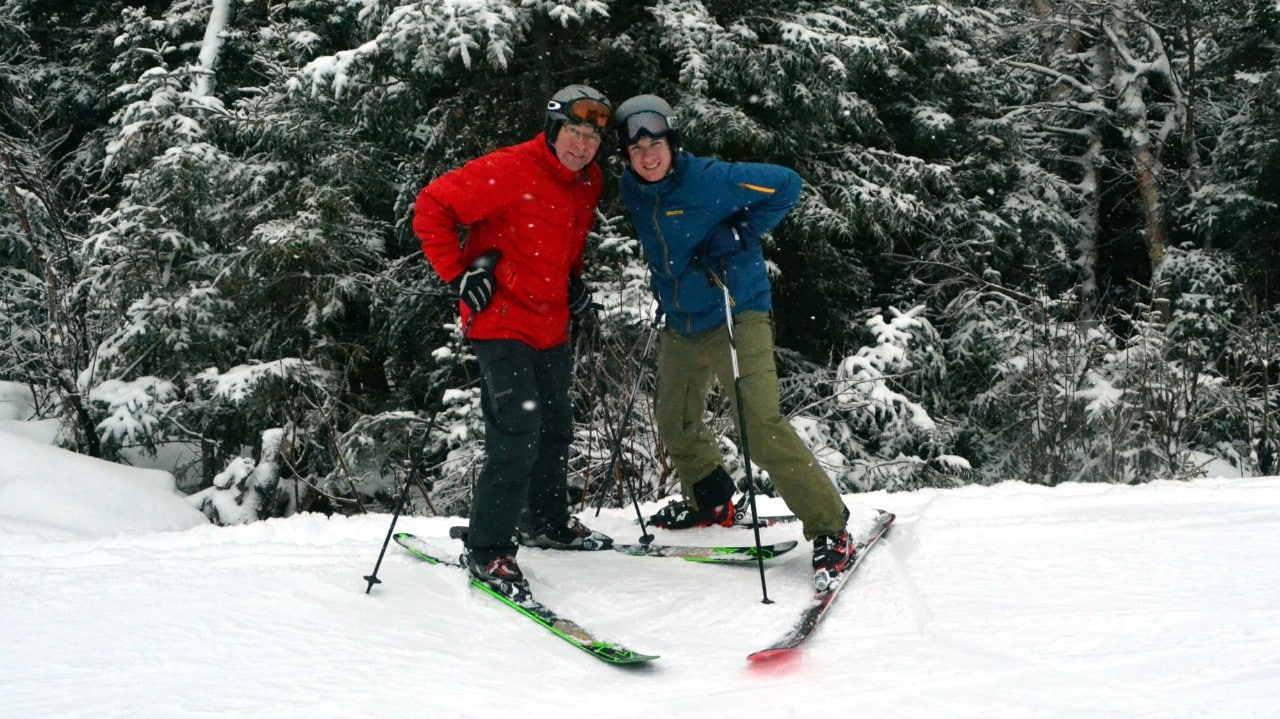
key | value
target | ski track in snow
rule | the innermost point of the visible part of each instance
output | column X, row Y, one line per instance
column 1017, row 601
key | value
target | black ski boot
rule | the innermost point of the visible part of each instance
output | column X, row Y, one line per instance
column 833, row 554
column 713, row 495
column 502, row 575
column 681, row 514
column 571, row 535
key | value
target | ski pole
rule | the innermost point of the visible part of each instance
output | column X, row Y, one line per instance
column 488, row 260
column 372, row 579
column 616, row 455
column 742, row 430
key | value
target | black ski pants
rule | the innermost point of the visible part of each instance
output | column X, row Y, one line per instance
column 528, row 422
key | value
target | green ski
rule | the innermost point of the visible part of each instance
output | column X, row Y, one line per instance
column 566, row 629
column 711, row 555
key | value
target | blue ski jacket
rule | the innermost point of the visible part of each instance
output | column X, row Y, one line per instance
column 674, row 215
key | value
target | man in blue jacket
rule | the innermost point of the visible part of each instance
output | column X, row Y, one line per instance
column 700, row 221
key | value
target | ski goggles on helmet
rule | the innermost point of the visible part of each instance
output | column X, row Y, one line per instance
column 585, row 110
column 646, row 123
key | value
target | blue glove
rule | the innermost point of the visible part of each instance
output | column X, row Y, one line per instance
column 728, row 238
column 660, row 312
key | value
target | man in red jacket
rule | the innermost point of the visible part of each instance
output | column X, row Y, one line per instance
column 527, row 209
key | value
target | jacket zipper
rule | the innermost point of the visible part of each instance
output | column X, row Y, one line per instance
column 666, row 263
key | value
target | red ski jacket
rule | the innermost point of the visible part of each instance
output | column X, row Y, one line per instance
column 521, row 201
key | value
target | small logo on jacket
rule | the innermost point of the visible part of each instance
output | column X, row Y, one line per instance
column 673, row 213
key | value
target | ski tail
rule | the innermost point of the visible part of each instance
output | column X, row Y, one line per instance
column 709, row 555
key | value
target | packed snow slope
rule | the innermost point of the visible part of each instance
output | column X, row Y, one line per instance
column 1008, row 601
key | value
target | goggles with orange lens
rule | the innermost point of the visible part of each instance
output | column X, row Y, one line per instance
column 586, row 110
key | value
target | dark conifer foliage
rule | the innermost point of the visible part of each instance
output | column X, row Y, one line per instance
column 1036, row 241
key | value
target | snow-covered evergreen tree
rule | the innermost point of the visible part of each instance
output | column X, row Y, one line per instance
column 1068, row 203
column 49, row 185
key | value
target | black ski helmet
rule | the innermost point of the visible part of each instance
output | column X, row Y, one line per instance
column 577, row 103
column 646, row 115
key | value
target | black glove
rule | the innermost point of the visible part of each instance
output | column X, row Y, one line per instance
column 579, row 297
column 582, row 311
column 728, row 238
column 476, row 284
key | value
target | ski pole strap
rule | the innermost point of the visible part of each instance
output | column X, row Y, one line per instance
column 714, row 279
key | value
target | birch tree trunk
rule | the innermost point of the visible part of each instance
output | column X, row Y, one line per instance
column 1144, row 128
column 211, row 48
column 1108, row 56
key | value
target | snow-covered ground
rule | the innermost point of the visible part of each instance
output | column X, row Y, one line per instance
column 117, row 600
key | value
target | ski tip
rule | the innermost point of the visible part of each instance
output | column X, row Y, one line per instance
column 774, row 657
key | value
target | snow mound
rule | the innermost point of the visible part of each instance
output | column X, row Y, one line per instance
column 47, row 493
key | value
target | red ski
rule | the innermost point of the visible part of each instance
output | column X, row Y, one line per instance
column 821, row 602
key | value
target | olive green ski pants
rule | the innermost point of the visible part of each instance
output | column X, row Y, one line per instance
column 686, row 368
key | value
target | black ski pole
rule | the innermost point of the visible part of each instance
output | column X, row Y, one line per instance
column 372, row 579
column 487, row 261
column 742, row 430
column 616, row 455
